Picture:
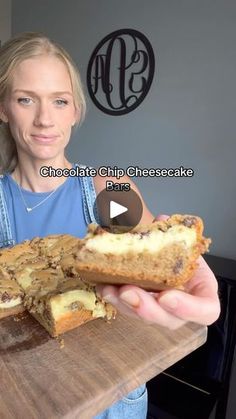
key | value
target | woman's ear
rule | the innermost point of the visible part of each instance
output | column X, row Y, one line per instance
column 3, row 115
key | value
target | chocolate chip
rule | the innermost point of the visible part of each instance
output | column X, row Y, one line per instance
column 47, row 314
column 5, row 297
column 189, row 221
column 178, row 266
column 144, row 234
column 76, row 305
column 164, row 228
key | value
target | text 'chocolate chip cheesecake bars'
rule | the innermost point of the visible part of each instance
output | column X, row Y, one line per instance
column 38, row 275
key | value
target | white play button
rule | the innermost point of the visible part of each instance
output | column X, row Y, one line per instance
column 116, row 209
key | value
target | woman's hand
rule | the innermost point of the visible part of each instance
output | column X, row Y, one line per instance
column 172, row 308
column 199, row 302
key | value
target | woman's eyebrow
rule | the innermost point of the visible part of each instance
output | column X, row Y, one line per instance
column 30, row 92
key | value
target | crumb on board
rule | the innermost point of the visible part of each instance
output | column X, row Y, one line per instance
column 60, row 341
column 19, row 317
column 16, row 319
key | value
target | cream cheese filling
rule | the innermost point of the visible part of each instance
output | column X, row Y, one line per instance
column 12, row 303
column 130, row 242
column 60, row 304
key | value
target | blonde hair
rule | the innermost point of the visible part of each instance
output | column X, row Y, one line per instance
column 12, row 53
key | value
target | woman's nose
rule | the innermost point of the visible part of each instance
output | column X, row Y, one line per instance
column 43, row 116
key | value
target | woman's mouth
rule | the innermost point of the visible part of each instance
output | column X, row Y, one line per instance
column 44, row 138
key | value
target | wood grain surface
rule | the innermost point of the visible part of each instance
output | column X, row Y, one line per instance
column 99, row 364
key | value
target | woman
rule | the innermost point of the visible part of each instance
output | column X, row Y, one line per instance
column 41, row 99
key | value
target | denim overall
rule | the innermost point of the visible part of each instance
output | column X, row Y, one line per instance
column 134, row 405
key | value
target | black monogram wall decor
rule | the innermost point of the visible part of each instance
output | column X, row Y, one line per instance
column 120, row 71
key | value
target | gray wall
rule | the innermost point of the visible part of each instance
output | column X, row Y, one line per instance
column 5, row 20
column 188, row 117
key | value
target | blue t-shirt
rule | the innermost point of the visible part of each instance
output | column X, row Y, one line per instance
column 61, row 213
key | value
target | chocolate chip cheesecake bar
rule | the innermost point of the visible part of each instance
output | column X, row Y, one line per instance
column 59, row 302
column 155, row 257
column 38, row 275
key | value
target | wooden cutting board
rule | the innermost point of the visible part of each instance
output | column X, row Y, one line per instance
column 99, row 364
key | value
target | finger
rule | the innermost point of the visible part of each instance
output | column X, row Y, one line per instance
column 110, row 294
column 202, row 310
column 137, row 303
column 146, row 306
column 203, row 283
column 99, row 289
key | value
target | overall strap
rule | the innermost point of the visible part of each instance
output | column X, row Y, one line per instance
column 5, row 227
column 88, row 197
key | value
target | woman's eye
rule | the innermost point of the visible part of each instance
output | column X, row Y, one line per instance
column 24, row 100
column 61, row 102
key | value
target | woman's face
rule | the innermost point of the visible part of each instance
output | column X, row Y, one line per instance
column 39, row 107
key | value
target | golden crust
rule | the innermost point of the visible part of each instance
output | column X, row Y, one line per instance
column 190, row 221
column 54, row 247
column 67, row 322
column 5, row 312
column 13, row 257
column 41, row 310
column 151, row 274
